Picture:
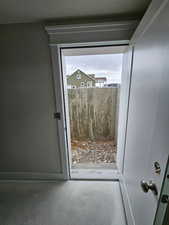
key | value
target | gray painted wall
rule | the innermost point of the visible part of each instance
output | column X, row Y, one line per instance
column 148, row 121
column 28, row 131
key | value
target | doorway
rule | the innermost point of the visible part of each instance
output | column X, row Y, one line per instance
column 92, row 84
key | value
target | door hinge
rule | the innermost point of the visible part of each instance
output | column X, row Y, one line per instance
column 165, row 199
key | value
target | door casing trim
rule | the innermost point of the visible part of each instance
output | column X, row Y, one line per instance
column 110, row 33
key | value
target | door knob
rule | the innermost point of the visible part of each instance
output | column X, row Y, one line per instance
column 146, row 186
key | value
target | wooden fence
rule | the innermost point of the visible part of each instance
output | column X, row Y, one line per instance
column 93, row 113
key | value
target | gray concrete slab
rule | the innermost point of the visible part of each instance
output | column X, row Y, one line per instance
column 61, row 203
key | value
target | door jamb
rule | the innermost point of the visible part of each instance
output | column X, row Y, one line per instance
column 59, row 94
column 61, row 125
column 124, row 106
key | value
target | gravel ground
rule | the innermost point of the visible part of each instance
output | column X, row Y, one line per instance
column 93, row 152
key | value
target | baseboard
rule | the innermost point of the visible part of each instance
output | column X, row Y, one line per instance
column 30, row 176
column 126, row 202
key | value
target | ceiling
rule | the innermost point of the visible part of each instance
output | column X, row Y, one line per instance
column 21, row 11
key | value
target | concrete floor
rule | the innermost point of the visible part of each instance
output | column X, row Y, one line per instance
column 61, row 203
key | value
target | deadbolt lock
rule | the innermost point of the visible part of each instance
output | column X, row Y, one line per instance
column 157, row 167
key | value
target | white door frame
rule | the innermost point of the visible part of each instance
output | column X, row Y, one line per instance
column 124, row 106
column 104, row 34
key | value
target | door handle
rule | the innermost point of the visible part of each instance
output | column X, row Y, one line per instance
column 146, row 186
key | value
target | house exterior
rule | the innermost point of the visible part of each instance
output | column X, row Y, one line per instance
column 112, row 85
column 100, row 81
column 79, row 79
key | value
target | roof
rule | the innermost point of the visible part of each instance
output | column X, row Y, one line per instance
column 82, row 74
column 101, row 78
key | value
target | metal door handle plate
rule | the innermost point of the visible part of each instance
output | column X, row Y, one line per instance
column 157, row 168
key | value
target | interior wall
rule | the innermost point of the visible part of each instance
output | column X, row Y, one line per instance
column 29, row 133
column 28, row 130
column 148, row 123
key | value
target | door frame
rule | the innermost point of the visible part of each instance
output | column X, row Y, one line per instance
column 162, row 216
column 103, row 34
column 122, row 116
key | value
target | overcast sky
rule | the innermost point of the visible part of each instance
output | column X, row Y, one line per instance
column 108, row 65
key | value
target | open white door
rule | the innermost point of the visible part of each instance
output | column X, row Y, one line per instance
column 147, row 141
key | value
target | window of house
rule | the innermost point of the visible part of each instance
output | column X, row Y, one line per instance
column 89, row 83
column 78, row 76
column 82, row 84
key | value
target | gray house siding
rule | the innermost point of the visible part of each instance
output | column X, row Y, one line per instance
column 80, row 80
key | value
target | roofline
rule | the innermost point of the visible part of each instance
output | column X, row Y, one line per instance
column 103, row 78
column 83, row 73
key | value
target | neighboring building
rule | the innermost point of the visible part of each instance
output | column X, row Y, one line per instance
column 79, row 79
column 91, row 75
column 114, row 85
column 100, row 81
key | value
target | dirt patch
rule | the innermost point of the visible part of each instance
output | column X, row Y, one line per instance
column 93, row 152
